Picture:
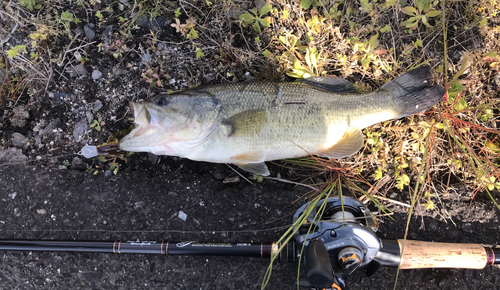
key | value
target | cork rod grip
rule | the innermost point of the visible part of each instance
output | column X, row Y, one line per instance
column 418, row 254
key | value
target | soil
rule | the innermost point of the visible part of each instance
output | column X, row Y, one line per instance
column 49, row 191
column 63, row 204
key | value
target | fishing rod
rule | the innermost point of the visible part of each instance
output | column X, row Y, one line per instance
column 333, row 246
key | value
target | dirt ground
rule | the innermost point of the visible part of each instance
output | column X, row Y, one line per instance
column 49, row 203
column 49, row 191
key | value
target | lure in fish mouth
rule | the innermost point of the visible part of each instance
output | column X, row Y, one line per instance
column 247, row 124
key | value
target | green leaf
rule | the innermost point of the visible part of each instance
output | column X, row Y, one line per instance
column 409, row 10
column 266, row 53
column 199, row 53
column 246, row 18
column 305, row 4
column 373, row 42
column 265, row 9
column 256, row 27
column 254, row 11
column 193, row 34
column 385, row 28
column 432, row 13
column 411, row 22
column 264, row 22
column 483, row 22
column 14, row 51
column 424, row 21
column 177, row 12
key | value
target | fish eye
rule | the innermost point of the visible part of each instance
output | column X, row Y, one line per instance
column 162, row 101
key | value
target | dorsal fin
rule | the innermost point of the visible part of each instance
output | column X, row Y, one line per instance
column 349, row 144
column 331, row 83
column 246, row 123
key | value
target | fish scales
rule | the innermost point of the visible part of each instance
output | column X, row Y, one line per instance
column 300, row 117
column 249, row 123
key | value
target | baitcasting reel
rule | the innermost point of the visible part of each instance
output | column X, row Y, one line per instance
column 338, row 236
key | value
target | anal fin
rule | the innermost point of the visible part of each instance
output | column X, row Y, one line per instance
column 252, row 162
column 349, row 144
column 255, row 168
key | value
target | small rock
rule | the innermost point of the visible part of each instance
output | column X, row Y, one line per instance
column 146, row 57
column 96, row 75
column 182, row 216
column 19, row 140
column 89, row 32
column 17, row 212
column 78, row 164
column 81, row 70
column 13, row 195
column 61, row 96
column 233, row 179
column 97, row 105
column 118, row 71
column 62, row 167
column 12, row 155
column 259, row 4
column 108, row 31
column 49, row 129
column 107, row 173
column 89, row 117
column 218, row 174
column 152, row 24
column 497, row 80
column 80, row 129
column 20, row 116
column 41, row 211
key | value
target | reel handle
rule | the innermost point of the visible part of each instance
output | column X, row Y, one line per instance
column 318, row 267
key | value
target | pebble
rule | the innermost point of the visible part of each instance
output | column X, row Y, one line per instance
column 218, row 174
column 96, row 75
column 89, row 117
column 233, row 179
column 78, row 164
column 108, row 31
column 497, row 79
column 89, row 32
column 146, row 57
column 41, row 211
column 97, row 105
column 80, row 129
column 182, row 216
column 19, row 140
column 118, row 71
column 81, row 70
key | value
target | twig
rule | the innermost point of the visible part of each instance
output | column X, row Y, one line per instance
column 289, row 181
column 240, row 174
column 392, row 201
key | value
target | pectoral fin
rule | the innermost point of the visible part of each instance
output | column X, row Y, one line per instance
column 349, row 144
column 252, row 162
column 246, row 123
column 331, row 83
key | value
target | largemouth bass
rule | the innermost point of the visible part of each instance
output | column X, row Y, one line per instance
column 249, row 123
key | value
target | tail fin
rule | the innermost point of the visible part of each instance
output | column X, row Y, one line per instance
column 414, row 92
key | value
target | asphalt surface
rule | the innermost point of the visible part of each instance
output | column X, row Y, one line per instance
column 63, row 204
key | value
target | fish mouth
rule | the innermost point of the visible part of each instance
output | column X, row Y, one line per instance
column 146, row 132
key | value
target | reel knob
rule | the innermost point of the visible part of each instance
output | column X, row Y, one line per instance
column 350, row 258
